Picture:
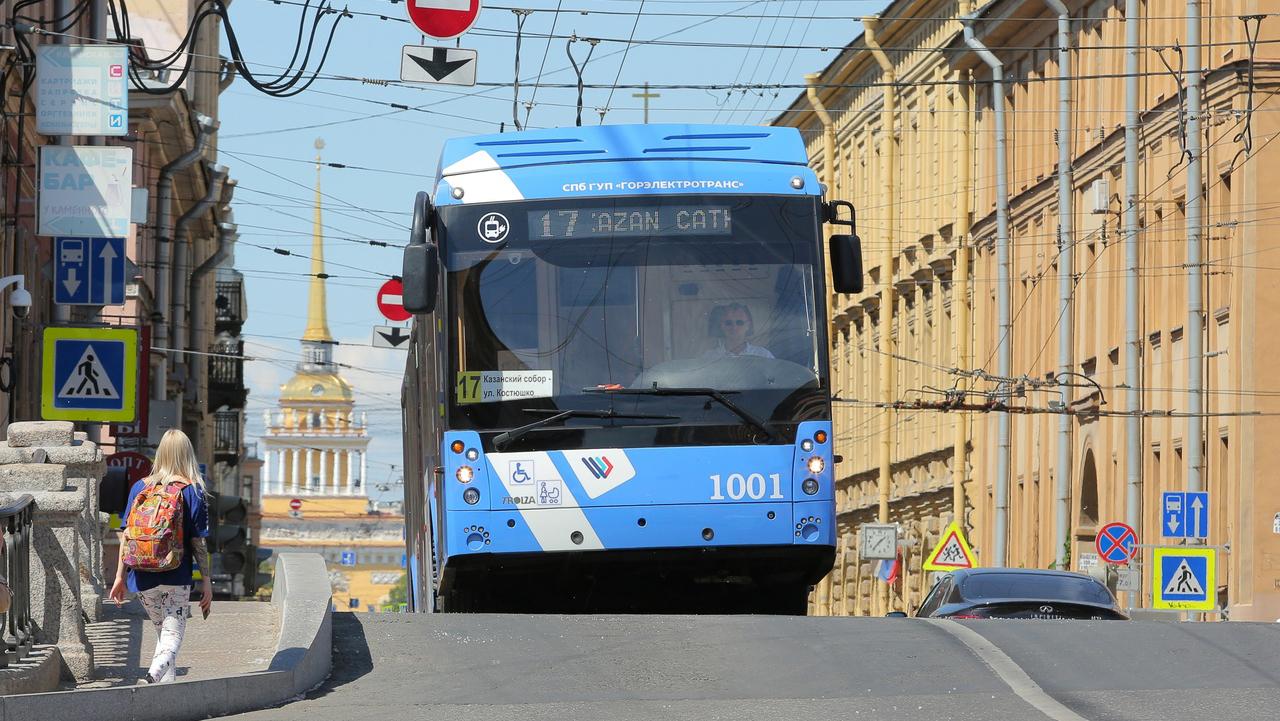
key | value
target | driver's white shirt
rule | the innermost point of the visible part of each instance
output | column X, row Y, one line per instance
column 721, row 352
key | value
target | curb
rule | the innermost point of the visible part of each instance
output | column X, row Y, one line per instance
column 302, row 661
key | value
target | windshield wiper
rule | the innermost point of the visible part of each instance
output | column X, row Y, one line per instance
column 717, row 395
column 503, row 439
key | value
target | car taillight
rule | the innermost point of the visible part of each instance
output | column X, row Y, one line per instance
column 972, row 613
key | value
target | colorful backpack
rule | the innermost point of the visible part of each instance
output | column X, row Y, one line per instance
column 153, row 531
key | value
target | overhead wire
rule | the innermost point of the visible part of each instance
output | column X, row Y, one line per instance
column 621, row 64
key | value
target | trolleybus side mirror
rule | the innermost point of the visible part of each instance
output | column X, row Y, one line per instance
column 421, row 272
column 846, row 263
column 845, row 249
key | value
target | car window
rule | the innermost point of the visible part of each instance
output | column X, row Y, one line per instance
column 1039, row 587
column 934, row 599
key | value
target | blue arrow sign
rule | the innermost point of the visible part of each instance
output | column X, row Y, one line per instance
column 348, row 558
column 1197, row 515
column 1185, row 515
column 89, row 271
column 1173, row 513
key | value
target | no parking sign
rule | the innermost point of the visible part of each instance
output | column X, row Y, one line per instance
column 1116, row 543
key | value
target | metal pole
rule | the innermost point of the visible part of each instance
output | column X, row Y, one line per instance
column 960, row 458
column 888, row 300
column 1133, row 341
column 1066, row 283
column 62, row 8
column 1005, row 350
column 1195, row 300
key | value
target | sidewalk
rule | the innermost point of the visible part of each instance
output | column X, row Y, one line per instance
column 238, row 637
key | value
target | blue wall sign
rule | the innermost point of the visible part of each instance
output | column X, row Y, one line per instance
column 1185, row 515
column 88, row 271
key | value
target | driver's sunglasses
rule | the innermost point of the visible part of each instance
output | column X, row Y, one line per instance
column 728, row 322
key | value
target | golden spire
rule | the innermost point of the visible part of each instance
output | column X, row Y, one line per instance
column 317, row 314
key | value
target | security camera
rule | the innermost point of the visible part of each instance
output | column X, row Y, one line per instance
column 20, row 301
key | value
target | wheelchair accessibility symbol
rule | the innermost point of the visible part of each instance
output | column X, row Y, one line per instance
column 522, row 471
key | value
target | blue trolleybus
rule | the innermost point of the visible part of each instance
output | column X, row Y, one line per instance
column 616, row 395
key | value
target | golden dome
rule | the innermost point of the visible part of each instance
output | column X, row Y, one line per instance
column 316, row 387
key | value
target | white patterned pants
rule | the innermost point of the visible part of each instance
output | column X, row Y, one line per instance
column 168, row 608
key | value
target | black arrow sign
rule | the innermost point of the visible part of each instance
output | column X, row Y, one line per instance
column 439, row 66
column 394, row 337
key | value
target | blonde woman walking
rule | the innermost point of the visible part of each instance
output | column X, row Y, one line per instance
column 167, row 519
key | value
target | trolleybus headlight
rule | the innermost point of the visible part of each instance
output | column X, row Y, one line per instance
column 810, row 486
column 471, row 496
column 464, row 474
column 472, row 454
column 820, row 437
column 806, row 445
column 456, row 446
column 816, row 465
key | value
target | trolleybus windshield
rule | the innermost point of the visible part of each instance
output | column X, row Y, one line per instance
column 550, row 301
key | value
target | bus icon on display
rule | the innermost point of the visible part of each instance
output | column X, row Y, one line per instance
column 655, row 412
column 494, row 227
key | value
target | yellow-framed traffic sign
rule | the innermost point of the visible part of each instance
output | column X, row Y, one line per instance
column 89, row 374
column 1184, row 578
column 952, row 552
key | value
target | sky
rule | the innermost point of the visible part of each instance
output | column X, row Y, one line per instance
column 391, row 153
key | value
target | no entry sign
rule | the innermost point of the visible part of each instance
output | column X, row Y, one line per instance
column 391, row 301
column 1116, row 543
column 295, row 504
column 443, row 19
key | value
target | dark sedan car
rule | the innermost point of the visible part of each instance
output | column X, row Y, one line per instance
column 1020, row 593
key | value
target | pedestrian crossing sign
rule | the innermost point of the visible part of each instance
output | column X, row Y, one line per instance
column 951, row 553
column 1183, row 578
column 89, row 374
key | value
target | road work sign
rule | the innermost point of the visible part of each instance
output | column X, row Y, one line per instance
column 1183, row 578
column 951, row 553
column 89, row 374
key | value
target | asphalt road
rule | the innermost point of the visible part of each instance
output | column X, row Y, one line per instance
column 606, row 668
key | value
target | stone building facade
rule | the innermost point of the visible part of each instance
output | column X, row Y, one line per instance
column 943, row 121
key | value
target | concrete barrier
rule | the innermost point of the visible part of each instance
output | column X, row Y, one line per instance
column 302, row 661
column 40, row 670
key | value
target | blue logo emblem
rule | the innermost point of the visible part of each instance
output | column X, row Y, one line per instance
column 599, row 466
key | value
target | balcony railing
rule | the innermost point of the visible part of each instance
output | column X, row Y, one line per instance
column 17, row 632
column 229, row 306
column 227, row 428
column 226, row 375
